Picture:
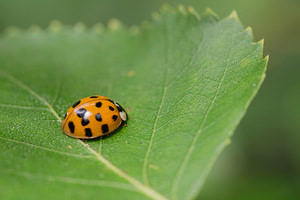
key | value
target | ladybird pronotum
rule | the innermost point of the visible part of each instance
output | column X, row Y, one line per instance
column 92, row 117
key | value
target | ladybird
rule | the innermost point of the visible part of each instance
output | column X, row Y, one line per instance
column 92, row 117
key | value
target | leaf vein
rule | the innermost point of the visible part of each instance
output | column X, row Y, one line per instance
column 23, row 107
column 191, row 148
column 45, row 148
column 141, row 187
column 146, row 158
column 188, row 63
column 28, row 89
column 71, row 180
column 58, row 87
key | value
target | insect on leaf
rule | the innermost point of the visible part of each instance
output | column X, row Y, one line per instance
column 185, row 80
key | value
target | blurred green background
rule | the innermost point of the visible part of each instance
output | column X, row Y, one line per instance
column 263, row 161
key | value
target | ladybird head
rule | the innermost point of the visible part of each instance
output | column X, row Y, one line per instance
column 122, row 112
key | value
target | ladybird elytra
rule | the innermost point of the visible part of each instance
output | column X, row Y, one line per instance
column 92, row 117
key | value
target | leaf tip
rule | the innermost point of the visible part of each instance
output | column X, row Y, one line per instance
column 260, row 46
column 249, row 30
column 209, row 11
column 266, row 58
column 55, row 26
column 181, row 9
column 79, row 27
column 210, row 15
column 234, row 15
column 114, row 24
column 193, row 12
column 261, row 42
column 165, row 8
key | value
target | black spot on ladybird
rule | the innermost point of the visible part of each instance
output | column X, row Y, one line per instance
column 76, row 104
column 92, row 97
column 88, row 132
column 98, row 104
column 98, row 117
column 111, row 108
column 115, row 117
column 84, row 122
column 80, row 113
column 105, row 128
column 71, row 126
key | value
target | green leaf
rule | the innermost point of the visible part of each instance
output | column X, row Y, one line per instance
column 186, row 81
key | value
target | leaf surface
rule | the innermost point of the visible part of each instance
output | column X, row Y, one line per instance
column 185, row 81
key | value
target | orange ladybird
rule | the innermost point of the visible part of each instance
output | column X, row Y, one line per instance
column 93, row 117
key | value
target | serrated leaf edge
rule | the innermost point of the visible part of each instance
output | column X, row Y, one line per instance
column 113, row 25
